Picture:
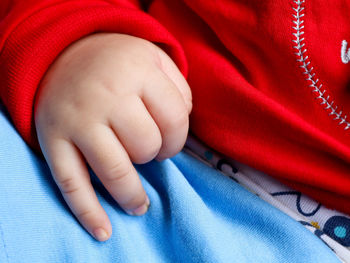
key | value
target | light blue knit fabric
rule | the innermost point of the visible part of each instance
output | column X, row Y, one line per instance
column 196, row 215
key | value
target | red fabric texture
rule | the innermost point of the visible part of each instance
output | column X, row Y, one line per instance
column 251, row 98
column 38, row 36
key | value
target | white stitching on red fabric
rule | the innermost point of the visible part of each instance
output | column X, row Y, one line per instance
column 305, row 64
column 345, row 54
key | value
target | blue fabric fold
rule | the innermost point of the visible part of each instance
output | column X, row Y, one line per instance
column 196, row 215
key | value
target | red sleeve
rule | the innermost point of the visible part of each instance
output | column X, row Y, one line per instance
column 34, row 32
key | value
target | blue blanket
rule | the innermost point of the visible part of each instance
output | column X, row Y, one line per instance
column 196, row 215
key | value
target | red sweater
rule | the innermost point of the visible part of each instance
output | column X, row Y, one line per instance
column 270, row 84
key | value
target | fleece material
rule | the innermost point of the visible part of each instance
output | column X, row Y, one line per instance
column 269, row 78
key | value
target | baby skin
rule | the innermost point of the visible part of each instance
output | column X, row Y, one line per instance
column 109, row 100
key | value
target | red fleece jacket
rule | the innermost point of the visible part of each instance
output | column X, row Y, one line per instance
column 269, row 78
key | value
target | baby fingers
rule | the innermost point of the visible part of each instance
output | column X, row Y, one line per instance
column 111, row 163
column 136, row 130
column 71, row 175
column 168, row 108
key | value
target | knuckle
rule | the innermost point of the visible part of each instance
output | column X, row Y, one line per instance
column 67, row 185
column 189, row 104
column 177, row 121
column 85, row 214
column 118, row 172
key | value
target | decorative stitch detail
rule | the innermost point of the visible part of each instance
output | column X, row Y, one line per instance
column 345, row 54
column 305, row 62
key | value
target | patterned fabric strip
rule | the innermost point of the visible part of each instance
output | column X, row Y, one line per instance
column 331, row 226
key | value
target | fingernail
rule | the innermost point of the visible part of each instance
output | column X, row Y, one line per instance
column 100, row 234
column 141, row 209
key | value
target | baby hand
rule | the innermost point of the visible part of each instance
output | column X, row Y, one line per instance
column 109, row 100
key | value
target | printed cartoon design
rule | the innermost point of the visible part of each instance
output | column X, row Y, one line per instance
column 338, row 228
column 222, row 163
column 299, row 203
column 328, row 222
column 329, row 225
